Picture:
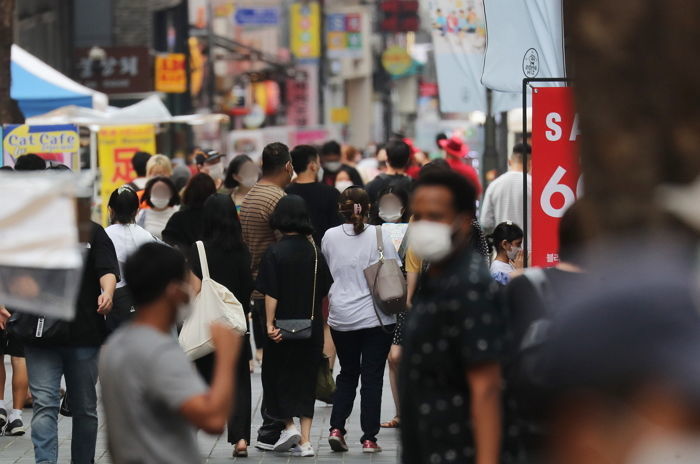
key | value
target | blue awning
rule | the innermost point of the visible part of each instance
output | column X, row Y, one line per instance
column 38, row 88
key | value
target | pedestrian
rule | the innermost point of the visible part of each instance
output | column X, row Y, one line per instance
column 361, row 333
column 256, row 211
column 533, row 300
column 30, row 162
column 321, row 199
column 152, row 395
column 294, row 278
column 181, row 175
column 139, row 162
column 456, row 155
column 184, row 227
column 391, row 207
column 242, row 174
column 11, row 424
column 507, row 242
column 333, row 165
column 162, row 199
column 343, row 181
column 211, row 163
column 127, row 237
column 450, row 375
column 159, row 166
column 398, row 156
column 503, row 200
column 229, row 265
column 72, row 352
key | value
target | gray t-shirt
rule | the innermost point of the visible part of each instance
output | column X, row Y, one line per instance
column 146, row 378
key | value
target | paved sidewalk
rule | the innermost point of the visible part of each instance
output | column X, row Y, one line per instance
column 18, row 450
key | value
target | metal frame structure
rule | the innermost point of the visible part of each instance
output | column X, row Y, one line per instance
column 526, row 83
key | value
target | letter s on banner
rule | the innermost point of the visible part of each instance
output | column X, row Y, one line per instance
column 556, row 179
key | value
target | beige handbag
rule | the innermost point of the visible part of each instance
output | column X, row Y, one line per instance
column 386, row 281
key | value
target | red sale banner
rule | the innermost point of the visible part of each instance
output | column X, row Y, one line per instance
column 556, row 179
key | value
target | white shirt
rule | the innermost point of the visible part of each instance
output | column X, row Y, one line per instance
column 503, row 201
column 127, row 238
column 155, row 221
column 348, row 255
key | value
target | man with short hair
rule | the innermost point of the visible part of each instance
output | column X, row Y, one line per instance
column 450, row 380
column 256, row 210
column 321, row 199
column 211, row 163
column 398, row 155
column 139, row 162
column 332, row 165
column 152, row 394
column 503, row 200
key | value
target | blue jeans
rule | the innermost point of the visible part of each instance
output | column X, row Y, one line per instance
column 45, row 367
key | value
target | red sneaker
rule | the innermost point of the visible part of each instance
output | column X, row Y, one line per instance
column 369, row 446
column 337, row 441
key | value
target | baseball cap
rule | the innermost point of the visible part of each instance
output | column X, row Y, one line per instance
column 208, row 156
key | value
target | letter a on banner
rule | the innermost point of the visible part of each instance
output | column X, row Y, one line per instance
column 556, row 182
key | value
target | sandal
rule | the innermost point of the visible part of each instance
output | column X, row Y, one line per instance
column 241, row 453
column 392, row 424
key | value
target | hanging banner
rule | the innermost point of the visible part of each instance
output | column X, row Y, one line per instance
column 58, row 144
column 116, row 146
column 556, row 180
column 459, row 41
column 171, row 73
column 525, row 39
column 305, row 31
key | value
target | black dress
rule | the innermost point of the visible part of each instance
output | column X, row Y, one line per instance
column 291, row 367
column 230, row 268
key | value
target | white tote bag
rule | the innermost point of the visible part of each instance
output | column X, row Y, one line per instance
column 215, row 303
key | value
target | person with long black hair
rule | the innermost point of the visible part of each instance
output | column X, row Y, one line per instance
column 507, row 241
column 362, row 334
column 229, row 265
column 241, row 175
column 185, row 227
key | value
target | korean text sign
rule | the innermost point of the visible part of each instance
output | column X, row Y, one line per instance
column 116, row 147
column 556, row 179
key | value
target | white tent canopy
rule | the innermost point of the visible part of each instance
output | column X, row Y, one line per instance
column 148, row 111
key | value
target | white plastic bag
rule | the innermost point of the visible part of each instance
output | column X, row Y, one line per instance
column 215, row 303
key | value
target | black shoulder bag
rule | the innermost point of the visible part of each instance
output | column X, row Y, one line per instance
column 300, row 329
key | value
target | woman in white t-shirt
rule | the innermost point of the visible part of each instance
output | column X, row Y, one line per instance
column 362, row 334
column 162, row 200
column 127, row 237
column 507, row 240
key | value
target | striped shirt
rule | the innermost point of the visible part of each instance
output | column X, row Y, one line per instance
column 256, row 210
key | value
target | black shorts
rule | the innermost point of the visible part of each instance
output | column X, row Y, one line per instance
column 10, row 346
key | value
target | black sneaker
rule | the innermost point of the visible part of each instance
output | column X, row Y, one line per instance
column 3, row 419
column 16, row 428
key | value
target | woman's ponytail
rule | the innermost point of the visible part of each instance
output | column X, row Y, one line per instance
column 354, row 207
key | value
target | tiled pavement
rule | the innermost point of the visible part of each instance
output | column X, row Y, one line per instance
column 18, row 450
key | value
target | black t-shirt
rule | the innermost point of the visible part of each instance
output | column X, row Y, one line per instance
column 383, row 181
column 88, row 327
column 322, row 201
column 184, row 228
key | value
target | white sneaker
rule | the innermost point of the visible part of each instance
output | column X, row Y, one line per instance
column 304, row 451
column 288, row 438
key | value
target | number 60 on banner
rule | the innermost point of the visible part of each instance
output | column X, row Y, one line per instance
column 555, row 187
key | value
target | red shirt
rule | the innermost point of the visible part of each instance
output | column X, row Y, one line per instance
column 466, row 171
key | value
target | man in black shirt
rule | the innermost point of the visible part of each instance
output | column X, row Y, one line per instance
column 332, row 165
column 398, row 155
column 74, row 356
column 321, row 199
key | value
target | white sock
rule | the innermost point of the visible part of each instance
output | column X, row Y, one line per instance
column 7, row 405
column 14, row 415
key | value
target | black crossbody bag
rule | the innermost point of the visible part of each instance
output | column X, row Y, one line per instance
column 300, row 329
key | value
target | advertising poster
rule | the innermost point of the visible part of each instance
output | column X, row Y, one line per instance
column 556, row 179
column 116, row 146
column 344, row 35
column 59, row 144
column 305, row 31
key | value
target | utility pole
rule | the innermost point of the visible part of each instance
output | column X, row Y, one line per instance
column 8, row 109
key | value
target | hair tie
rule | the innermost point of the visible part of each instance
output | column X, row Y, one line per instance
column 357, row 208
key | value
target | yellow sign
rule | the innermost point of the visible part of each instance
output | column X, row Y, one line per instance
column 305, row 30
column 171, row 73
column 340, row 115
column 116, row 146
column 57, row 143
column 396, row 61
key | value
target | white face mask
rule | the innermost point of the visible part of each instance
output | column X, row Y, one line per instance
column 390, row 215
column 216, row 171
column 513, row 252
column 430, row 241
column 248, row 181
column 160, row 202
column 332, row 166
column 319, row 174
column 343, row 185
